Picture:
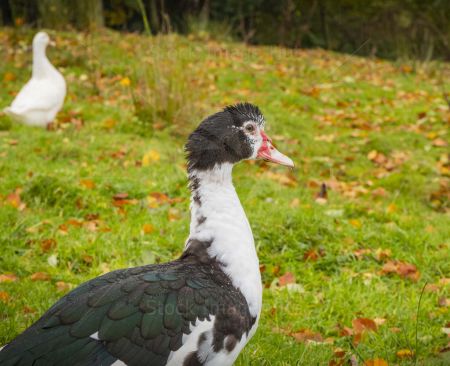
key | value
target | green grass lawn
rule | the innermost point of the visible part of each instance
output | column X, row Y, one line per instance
column 107, row 188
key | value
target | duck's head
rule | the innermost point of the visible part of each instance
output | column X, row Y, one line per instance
column 41, row 40
column 234, row 134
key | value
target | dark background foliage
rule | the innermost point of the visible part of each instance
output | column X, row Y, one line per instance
column 384, row 28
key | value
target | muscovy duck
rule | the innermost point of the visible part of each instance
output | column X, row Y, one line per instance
column 200, row 309
column 42, row 97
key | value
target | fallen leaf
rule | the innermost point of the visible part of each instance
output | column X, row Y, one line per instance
column 125, row 81
column 311, row 255
column 8, row 277
column 28, row 310
column 62, row 286
column 87, row 183
column 9, row 76
column 88, row 259
column 282, row 178
column 443, row 301
column 288, row 277
column 4, row 296
column 306, row 335
column 152, row 156
column 47, row 244
column 439, row 142
column 403, row 269
column 376, row 362
column 405, row 353
column 361, row 325
column 173, row 214
column 148, row 228
column 40, row 276
column 355, row 223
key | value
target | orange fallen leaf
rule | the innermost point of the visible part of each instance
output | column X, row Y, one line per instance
column 8, row 277
column 285, row 279
column 47, row 244
column 376, row 362
column 4, row 296
column 439, row 142
column 148, row 228
column 87, row 183
column 355, row 223
column 9, row 76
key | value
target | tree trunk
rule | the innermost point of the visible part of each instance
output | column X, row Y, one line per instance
column 53, row 14
column 88, row 14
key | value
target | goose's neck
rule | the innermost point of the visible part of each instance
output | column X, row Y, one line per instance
column 41, row 64
column 218, row 219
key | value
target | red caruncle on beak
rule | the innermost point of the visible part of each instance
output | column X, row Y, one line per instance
column 268, row 152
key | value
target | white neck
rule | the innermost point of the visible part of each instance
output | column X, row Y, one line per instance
column 217, row 216
column 41, row 65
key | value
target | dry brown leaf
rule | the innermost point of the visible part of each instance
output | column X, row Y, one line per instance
column 361, row 325
column 40, row 276
column 62, row 286
column 306, row 335
column 403, row 269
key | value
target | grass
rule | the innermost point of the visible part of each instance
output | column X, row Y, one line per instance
column 375, row 132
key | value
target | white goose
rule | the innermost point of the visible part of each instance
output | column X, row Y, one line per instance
column 42, row 97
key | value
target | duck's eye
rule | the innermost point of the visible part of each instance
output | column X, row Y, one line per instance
column 250, row 128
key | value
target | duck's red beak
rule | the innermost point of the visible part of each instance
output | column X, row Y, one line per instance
column 268, row 152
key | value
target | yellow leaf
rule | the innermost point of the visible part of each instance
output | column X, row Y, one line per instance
column 405, row 353
column 355, row 223
column 87, row 183
column 376, row 362
column 148, row 228
column 151, row 156
column 125, row 81
column 391, row 208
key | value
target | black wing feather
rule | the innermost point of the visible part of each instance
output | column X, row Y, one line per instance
column 140, row 315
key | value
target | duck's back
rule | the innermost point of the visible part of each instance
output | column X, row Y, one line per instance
column 183, row 312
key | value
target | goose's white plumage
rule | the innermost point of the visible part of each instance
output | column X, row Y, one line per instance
column 42, row 97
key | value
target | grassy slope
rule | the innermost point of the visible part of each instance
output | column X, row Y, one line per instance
column 326, row 111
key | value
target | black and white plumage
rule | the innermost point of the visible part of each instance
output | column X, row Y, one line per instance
column 200, row 309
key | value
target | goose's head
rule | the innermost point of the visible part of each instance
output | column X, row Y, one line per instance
column 234, row 134
column 41, row 40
